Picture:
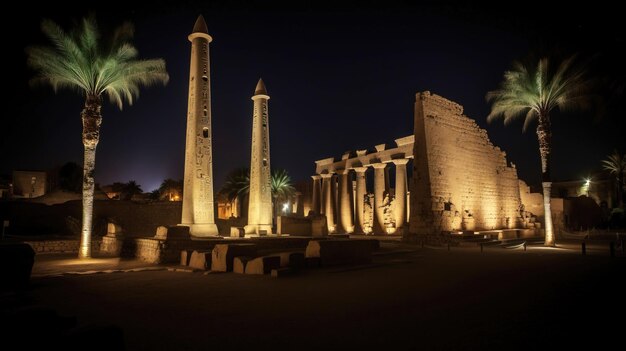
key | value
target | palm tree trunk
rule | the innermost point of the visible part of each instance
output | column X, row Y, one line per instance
column 620, row 191
column 544, row 135
column 92, row 119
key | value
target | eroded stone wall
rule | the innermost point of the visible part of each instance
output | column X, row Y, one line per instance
column 461, row 181
column 58, row 246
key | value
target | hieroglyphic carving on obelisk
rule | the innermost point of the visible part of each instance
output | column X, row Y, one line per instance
column 260, row 201
column 198, row 211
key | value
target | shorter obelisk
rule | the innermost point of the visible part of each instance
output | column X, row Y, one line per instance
column 260, row 199
column 198, row 213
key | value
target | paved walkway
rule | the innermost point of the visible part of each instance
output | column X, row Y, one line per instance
column 415, row 299
column 67, row 263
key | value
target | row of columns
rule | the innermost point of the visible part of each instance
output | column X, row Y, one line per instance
column 349, row 216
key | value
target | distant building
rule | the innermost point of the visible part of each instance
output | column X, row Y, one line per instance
column 30, row 184
column 112, row 192
column 601, row 190
column 228, row 209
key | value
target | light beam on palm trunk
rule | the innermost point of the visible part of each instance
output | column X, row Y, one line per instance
column 79, row 60
column 532, row 93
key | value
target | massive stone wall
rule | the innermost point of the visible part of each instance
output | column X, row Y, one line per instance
column 460, row 181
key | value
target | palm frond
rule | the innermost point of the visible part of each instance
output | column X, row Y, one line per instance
column 78, row 60
column 527, row 92
column 237, row 184
column 281, row 184
column 615, row 163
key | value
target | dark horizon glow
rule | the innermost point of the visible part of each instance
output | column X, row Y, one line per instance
column 338, row 81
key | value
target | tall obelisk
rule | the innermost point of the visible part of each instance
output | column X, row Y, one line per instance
column 198, row 211
column 260, row 200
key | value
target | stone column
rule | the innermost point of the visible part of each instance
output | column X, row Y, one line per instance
column 360, row 199
column 329, row 201
column 400, row 201
column 346, row 218
column 299, row 205
column 315, row 194
column 380, row 187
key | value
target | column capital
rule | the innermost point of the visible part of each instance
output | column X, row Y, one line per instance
column 379, row 165
column 316, row 177
column 343, row 171
column 327, row 175
column 400, row 161
column 360, row 169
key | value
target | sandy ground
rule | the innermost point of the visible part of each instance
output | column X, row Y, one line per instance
column 409, row 298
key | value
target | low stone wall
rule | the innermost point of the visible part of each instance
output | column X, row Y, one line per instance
column 59, row 246
column 294, row 226
column 168, row 251
column 111, row 245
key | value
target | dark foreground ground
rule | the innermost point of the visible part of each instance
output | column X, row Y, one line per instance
column 426, row 299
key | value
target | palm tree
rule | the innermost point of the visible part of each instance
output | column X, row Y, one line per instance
column 616, row 164
column 79, row 60
column 237, row 185
column 281, row 188
column 170, row 189
column 532, row 93
column 130, row 189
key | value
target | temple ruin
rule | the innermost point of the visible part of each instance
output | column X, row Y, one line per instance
column 460, row 180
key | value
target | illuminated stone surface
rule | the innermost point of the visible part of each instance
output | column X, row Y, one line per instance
column 223, row 255
column 460, row 181
column 346, row 217
column 198, row 212
column 260, row 199
column 458, row 173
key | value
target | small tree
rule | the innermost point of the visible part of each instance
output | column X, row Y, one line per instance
column 615, row 163
column 170, row 190
column 130, row 189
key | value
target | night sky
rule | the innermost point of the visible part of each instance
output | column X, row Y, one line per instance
column 339, row 79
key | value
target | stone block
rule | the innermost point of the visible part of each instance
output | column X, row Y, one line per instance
column 341, row 251
column 262, row 265
column 294, row 259
column 172, row 232
column 293, row 225
column 200, row 260
column 319, row 226
column 111, row 245
column 185, row 256
column 239, row 264
column 223, row 255
column 237, row 232
column 114, row 229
